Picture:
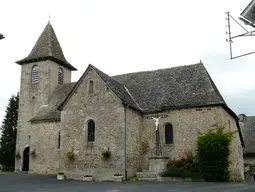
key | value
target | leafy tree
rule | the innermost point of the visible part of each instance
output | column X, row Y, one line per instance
column 9, row 132
column 213, row 154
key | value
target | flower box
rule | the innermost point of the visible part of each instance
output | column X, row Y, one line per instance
column 87, row 178
column 60, row 176
column 118, row 178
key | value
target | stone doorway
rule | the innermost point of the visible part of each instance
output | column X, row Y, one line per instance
column 26, row 159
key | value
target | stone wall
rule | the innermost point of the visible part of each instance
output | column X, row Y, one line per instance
column 134, row 130
column 236, row 156
column 32, row 97
column 44, row 140
column 186, row 124
column 107, row 112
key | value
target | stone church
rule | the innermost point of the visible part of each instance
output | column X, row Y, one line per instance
column 104, row 122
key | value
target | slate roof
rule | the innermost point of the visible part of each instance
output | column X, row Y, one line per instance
column 182, row 86
column 248, row 131
column 119, row 89
column 47, row 47
column 177, row 87
column 50, row 112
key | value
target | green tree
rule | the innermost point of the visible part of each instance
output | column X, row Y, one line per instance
column 8, row 133
column 213, row 154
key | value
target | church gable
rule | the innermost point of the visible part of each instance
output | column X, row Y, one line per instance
column 90, row 90
column 119, row 90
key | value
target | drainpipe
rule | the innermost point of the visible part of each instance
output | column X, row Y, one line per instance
column 125, row 140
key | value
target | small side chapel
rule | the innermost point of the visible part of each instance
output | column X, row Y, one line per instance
column 102, row 125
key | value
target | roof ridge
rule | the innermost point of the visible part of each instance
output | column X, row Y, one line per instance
column 132, row 97
column 123, row 86
column 216, row 90
column 160, row 69
column 49, row 41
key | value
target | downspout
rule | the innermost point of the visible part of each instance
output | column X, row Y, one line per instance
column 125, row 140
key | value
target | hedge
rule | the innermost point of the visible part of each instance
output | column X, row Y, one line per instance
column 213, row 150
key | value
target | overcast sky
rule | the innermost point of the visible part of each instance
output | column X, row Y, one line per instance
column 120, row 36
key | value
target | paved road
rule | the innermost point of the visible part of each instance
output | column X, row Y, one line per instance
column 42, row 183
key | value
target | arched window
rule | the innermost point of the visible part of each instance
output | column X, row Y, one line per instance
column 91, row 130
column 35, row 72
column 91, row 87
column 59, row 140
column 168, row 133
column 60, row 76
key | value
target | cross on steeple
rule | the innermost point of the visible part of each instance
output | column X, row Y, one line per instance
column 49, row 17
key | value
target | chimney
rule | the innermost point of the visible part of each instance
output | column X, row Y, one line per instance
column 241, row 117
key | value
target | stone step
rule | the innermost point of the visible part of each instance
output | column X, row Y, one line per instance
column 147, row 179
column 146, row 174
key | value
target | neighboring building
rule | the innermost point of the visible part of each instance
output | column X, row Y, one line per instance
column 100, row 112
column 247, row 124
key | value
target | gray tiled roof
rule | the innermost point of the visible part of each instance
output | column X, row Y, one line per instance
column 182, row 86
column 117, row 88
column 47, row 47
column 248, row 131
column 50, row 111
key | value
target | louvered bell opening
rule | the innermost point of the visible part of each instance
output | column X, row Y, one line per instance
column 60, row 76
column 35, row 72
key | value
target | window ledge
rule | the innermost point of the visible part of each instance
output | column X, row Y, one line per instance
column 169, row 145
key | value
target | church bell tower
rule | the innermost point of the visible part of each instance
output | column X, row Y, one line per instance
column 41, row 72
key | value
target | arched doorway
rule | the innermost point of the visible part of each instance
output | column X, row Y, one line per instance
column 26, row 159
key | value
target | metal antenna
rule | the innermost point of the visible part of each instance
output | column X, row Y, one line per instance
column 230, row 38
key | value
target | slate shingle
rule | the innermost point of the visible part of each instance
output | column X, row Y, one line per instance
column 248, row 131
column 50, row 112
column 118, row 88
column 182, row 86
column 47, row 47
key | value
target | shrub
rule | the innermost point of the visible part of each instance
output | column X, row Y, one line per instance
column 32, row 153
column 213, row 150
column 117, row 174
column 183, row 167
column 106, row 154
column 70, row 154
column 173, row 171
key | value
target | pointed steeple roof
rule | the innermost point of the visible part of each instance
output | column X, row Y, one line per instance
column 47, row 47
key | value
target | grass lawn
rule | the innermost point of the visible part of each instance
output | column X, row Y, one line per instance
column 6, row 172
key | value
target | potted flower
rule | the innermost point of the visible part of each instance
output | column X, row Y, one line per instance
column 60, row 176
column 87, row 178
column 32, row 153
column 18, row 156
column 70, row 155
column 117, row 177
column 106, row 154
